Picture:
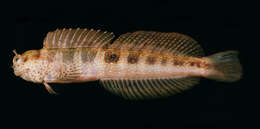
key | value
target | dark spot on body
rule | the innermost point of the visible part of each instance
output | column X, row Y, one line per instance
column 111, row 57
column 198, row 64
column 164, row 60
column 204, row 65
column 177, row 62
column 151, row 60
column 133, row 58
column 192, row 63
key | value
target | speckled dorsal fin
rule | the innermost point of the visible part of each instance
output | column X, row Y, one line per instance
column 149, row 88
column 75, row 38
column 158, row 42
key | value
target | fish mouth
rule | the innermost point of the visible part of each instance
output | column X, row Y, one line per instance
column 16, row 72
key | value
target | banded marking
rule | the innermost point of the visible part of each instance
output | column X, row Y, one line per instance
column 88, row 55
column 68, row 55
column 51, row 55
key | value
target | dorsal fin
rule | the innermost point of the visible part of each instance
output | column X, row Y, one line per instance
column 158, row 42
column 75, row 38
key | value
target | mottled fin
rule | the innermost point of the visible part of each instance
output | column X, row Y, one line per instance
column 158, row 42
column 148, row 88
column 226, row 66
column 76, row 38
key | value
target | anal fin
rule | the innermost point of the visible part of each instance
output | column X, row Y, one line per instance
column 148, row 88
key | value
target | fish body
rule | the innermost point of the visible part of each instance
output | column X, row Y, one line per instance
column 63, row 62
column 137, row 65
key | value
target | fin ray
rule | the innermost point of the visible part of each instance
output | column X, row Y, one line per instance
column 76, row 38
column 226, row 66
column 158, row 42
column 148, row 88
column 70, row 72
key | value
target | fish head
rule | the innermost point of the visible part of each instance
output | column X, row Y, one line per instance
column 29, row 66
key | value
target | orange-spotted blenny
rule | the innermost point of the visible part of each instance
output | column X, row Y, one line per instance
column 137, row 65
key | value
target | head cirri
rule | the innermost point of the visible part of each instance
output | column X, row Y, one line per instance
column 29, row 66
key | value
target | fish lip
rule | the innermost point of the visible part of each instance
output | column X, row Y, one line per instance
column 17, row 73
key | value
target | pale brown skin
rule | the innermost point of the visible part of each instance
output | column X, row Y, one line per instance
column 81, row 55
column 174, row 67
column 53, row 66
column 137, row 65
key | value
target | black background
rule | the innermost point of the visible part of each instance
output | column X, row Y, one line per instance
column 209, row 104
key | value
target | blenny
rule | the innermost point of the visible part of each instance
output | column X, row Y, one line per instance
column 137, row 65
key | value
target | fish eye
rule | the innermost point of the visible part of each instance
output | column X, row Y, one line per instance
column 16, row 59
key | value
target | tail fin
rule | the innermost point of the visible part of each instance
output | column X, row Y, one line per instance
column 226, row 66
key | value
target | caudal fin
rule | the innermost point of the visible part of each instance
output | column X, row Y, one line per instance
column 226, row 66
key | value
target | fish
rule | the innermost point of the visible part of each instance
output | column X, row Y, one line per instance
column 136, row 66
